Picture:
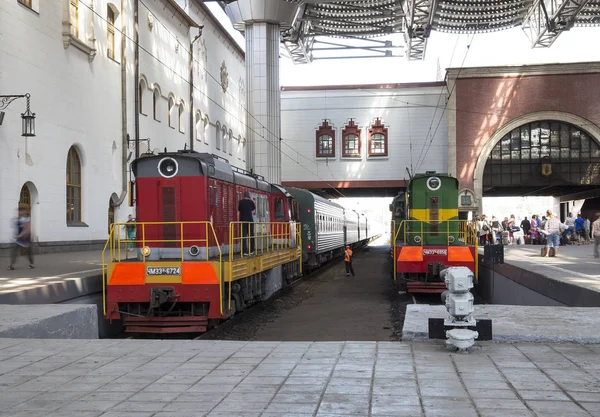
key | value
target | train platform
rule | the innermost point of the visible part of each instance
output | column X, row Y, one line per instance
column 526, row 278
column 57, row 277
column 176, row 378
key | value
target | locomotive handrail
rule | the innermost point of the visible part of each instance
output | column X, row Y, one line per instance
column 268, row 237
column 115, row 243
column 466, row 231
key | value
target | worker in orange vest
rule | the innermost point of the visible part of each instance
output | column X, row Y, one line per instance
column 348, row 261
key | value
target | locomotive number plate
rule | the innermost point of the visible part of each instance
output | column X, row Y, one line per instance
column 163, row 270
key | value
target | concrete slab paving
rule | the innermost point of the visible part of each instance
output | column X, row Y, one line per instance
column 49, row 321
column 515, row 323
column 82, row 378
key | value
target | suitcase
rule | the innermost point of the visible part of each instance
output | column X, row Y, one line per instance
column 543, row 251
column 505, row 237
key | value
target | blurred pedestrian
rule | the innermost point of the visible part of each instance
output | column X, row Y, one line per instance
column 348, row 261
column 22, row 236
column 596, row 233
column 130, row 231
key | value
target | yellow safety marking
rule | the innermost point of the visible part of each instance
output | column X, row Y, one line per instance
column 444, row 214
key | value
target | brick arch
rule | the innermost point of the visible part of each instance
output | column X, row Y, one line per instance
column 580, row 122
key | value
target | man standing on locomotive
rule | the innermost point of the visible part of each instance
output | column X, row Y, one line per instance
column 245, row 208
column 348, row 261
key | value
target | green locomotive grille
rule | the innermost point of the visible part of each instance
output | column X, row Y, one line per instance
column 434, row 215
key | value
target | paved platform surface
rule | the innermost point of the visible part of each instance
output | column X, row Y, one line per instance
column 516, row 323
column 129, row 378
column 574, row 264
column 57, row 277
column 49, row 321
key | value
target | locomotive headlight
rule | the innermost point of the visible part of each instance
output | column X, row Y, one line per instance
column 434, row 183
column 146, row 251
column 451, row 239
column 194, row 250
column 417, row 239
column 167, row 167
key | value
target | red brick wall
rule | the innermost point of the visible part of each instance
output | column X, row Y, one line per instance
column 486, row 104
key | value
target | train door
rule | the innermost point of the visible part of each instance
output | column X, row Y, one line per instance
column 169, row 210
column 213, row 210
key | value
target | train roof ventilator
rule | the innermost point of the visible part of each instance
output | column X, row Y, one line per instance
column 459, row 327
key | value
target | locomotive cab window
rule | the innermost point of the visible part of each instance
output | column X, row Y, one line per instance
column 278, row 209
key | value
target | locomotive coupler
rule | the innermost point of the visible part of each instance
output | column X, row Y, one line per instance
column 160, row 295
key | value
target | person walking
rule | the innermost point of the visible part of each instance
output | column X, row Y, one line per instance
column 245, row 209
column 22, row 237
column 579, row 224
column 596, row 233
column 587, row 229
column 348, row 261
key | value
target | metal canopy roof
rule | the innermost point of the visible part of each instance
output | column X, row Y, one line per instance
column 326, row 29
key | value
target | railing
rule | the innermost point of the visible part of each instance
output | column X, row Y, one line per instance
column 417, row 230
column 267, row 237
column 262, row 237
column 198, row 234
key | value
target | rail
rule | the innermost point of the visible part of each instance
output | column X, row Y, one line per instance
column 199, row 234
column 416, row 230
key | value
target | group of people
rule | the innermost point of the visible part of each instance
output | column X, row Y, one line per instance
column 547, row 230
column 490, row 231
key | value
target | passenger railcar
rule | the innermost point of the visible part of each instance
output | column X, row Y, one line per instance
column 427, row 235
column 322, row 227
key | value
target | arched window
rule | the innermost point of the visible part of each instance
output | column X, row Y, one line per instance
column 224, row 138
column 141, row 89
column 230, row 140
column 155, row 102
column 198, row 125
column 325, row 140
column 218, row 136
column 110, row 32
column 73, row 186
column 25, row 197
column 180, row 117
column 543, row 154
column 170, row 111
column 351, row 142
column 378, row 139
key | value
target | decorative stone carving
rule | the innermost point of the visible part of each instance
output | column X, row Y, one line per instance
column 150, row 21
column 224, row 77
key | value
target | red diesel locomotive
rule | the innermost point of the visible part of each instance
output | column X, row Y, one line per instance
column 186, row 272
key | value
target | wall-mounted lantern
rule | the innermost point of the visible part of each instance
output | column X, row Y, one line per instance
column 28, row 117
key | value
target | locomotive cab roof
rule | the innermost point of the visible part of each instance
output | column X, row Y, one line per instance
column 192, row 163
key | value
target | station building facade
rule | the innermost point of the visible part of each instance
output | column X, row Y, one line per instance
column 362, row 136
column 94, row 94
column 522, row 130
